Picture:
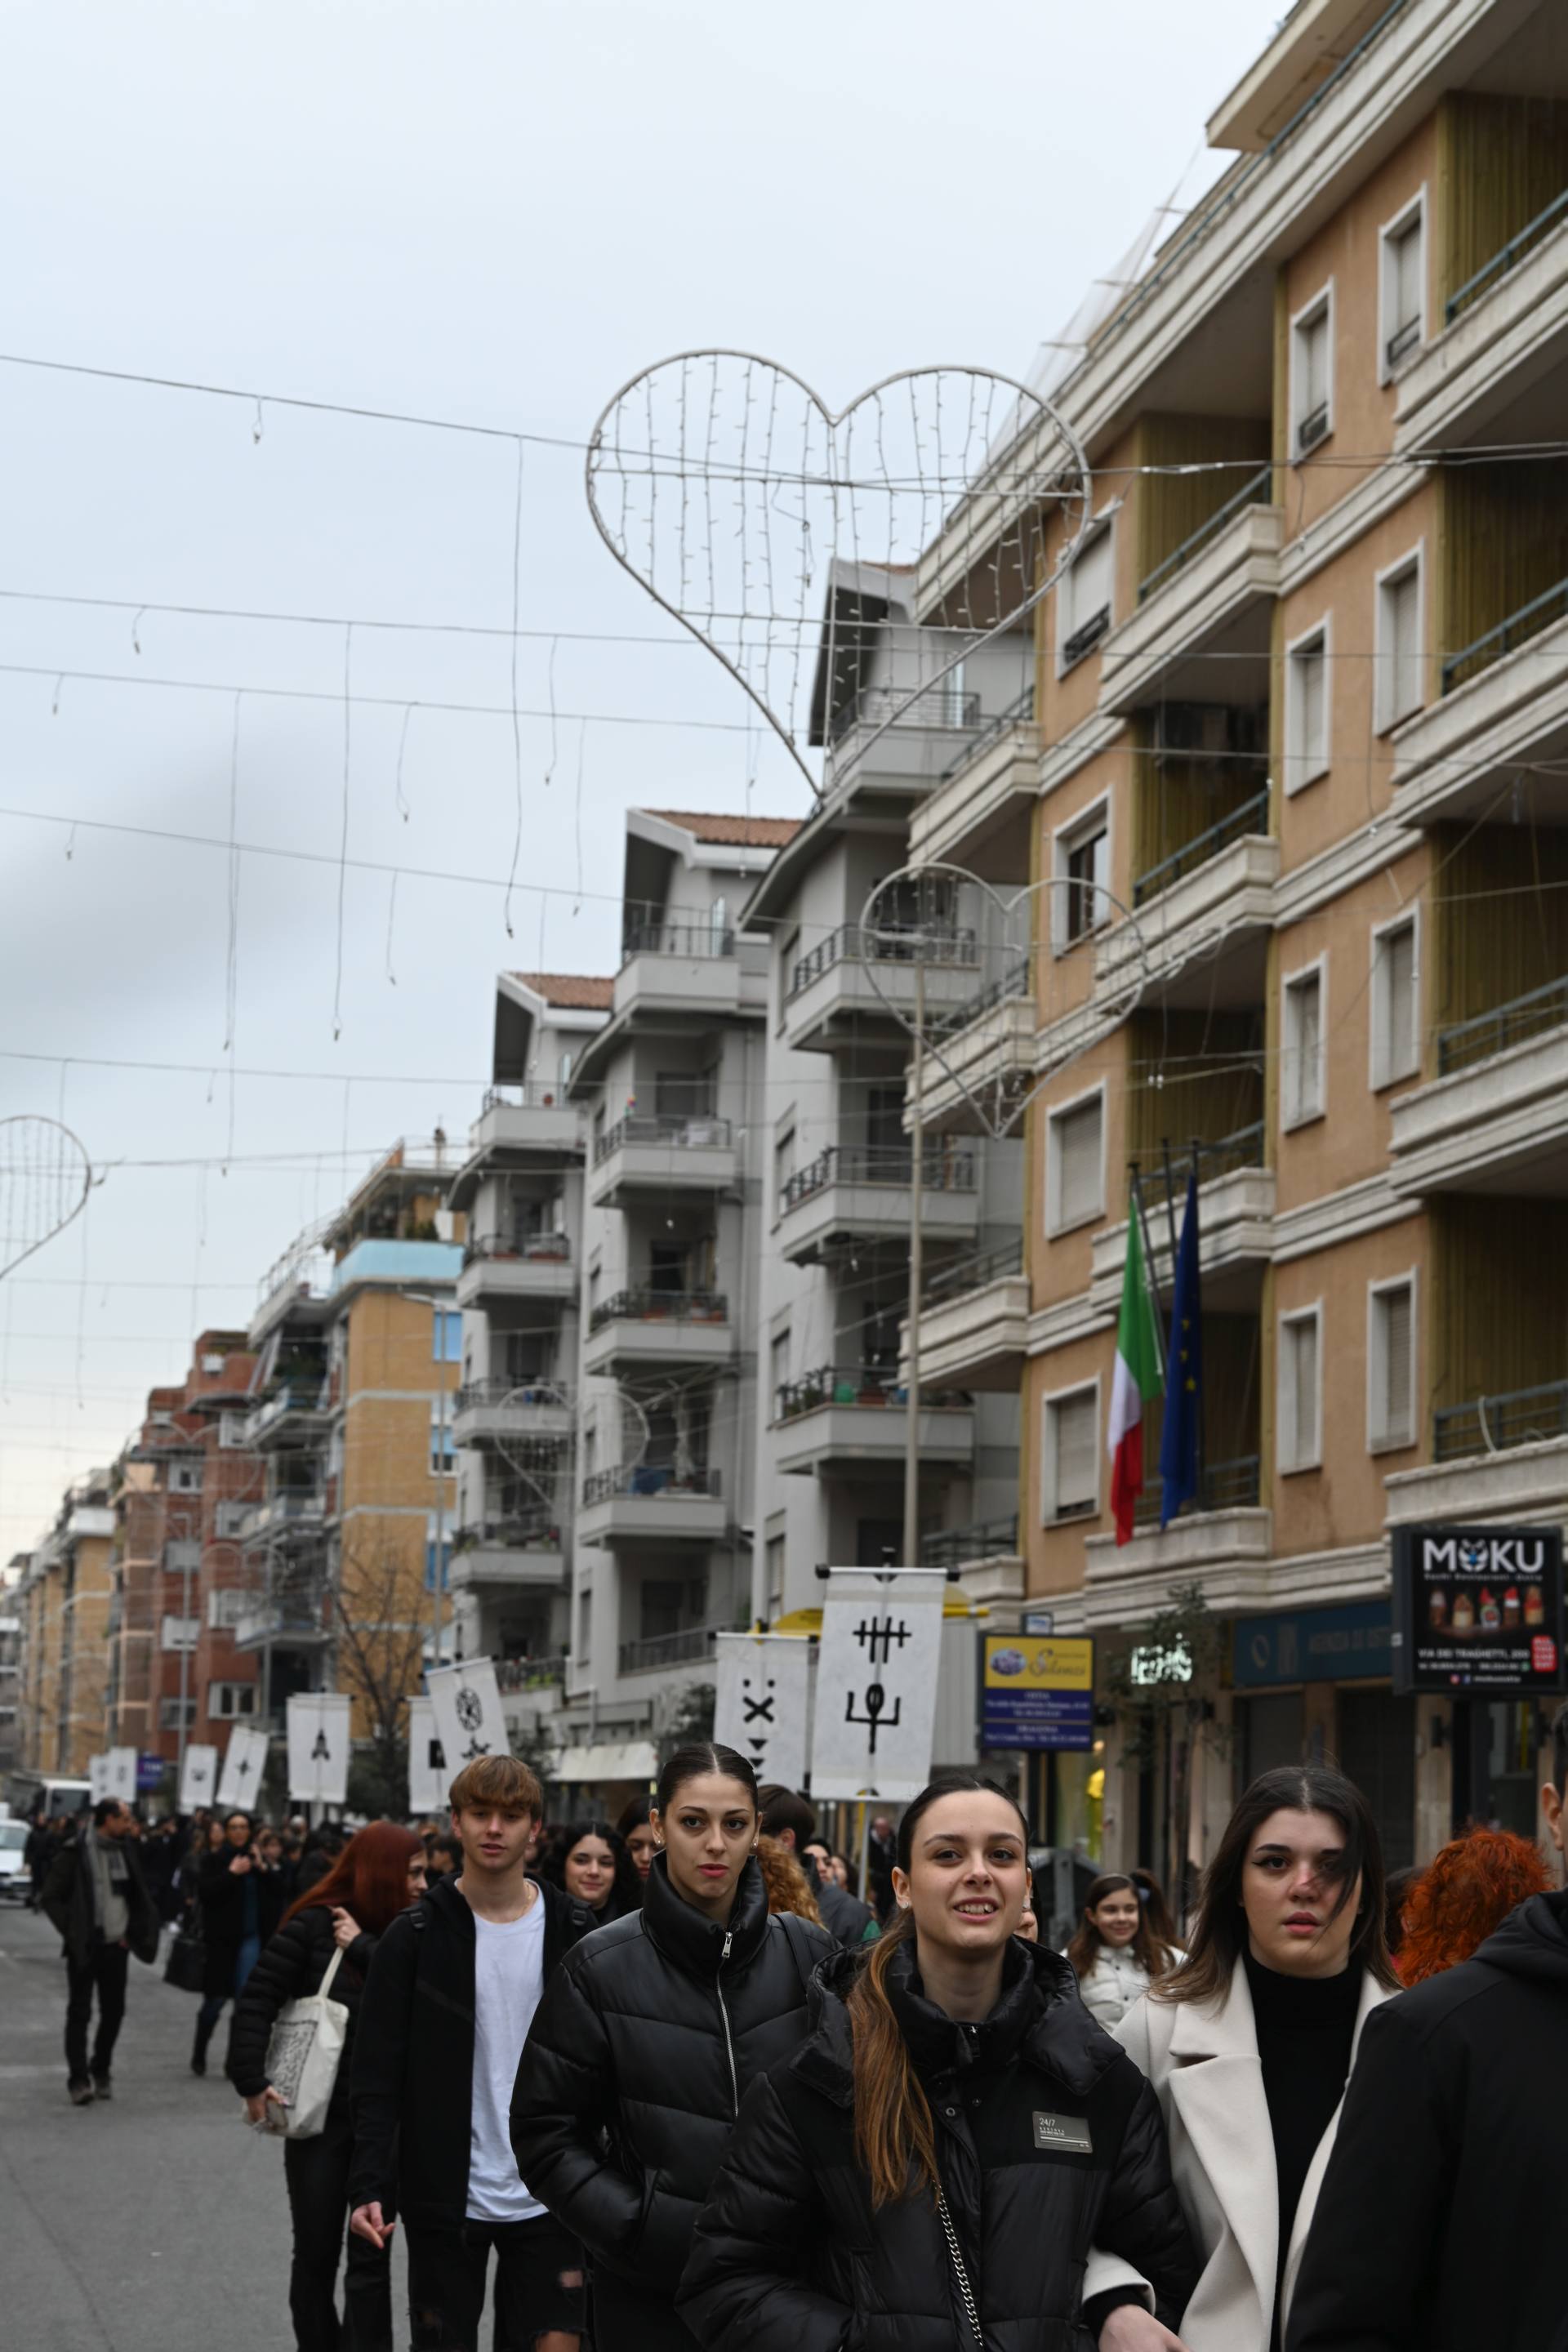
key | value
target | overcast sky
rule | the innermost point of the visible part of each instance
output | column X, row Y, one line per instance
column 489, row 213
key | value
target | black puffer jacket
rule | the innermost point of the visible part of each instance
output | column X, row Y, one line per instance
column 1047, row 2138
column 649, row 2034
column 221, row 1892
column 292, row 1965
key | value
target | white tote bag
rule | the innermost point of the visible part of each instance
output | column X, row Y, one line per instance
column 303, row 2054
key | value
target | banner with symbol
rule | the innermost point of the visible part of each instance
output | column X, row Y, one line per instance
column 319, row 1747
column 242, row 1766
column 763, row 1686
column 875, row 1686
column 119, row 1775
column 468, row 1719
column 97, row 1778
column 198, row 1777
column 428, row 1778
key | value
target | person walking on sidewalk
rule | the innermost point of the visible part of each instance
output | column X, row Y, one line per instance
column 241, row 1902
column 447, row 2004
column 789, row 1818
column 97, row 1896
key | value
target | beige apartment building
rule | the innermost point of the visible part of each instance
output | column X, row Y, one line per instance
column 62, row 1600
column 1298, row 734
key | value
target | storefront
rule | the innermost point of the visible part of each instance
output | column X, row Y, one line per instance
column 1316, row 1683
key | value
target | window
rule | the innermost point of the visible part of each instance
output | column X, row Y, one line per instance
column 1307, row 709
column 176, row 1714
column 228, row 1518
column 789, row 956
column 1301, row 1067
column 1313, row 372
column 784, row 1169
column 1084, row 613
column 775, row 1574
column 778, row 1366
column 185, row 1477
column 443, row 1440
column 212, row 1365
column 1083, row 871
column 1402, row 293
column 231, row 1429
column 1391, row 1364
column 179, row 1633
column 718, row 926
column 563, row 1072
column 1396, row 1025
column 228, row 1701
column 585, row 1621
column 226, row 1605
column 1075, row 1173
column 1300, row 1402
column 1399, row 617
column 447, row 1336
column 446, row 1552
column 1071, row 1455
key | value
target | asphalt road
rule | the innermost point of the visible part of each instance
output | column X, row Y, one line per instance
column 155, row 2222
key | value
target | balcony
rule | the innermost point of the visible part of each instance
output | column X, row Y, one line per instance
column 901, row 736
column 1218, row 892
column 534, row 1269
column 283, row 1625
column 982, row 1056
column 520, row 1550
column 516, row 1676
column 864, row 1191
column 979, row 815
column 1504, row 705
column 684, row 968
column 1496, row 1458
column 1504, row 337
column 664, row 1650
column 292, row 1415
column 295, row 1515
column 1235, row 1227
column 985, row 1560
column 647, row 1328
column 528, row 1118
column 974, row 1324
column 489, row 1412
column 662, row 1153
column 650, row 1503
column 1540, row 613
column 1214, row 594
column 1223, row 1550
column 1496, row 1117
column 833, row 996
column 847, row 1418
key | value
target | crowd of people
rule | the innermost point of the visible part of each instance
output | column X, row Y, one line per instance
column 669, row 2080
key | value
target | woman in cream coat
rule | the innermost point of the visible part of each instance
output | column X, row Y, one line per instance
column 1249, row 2045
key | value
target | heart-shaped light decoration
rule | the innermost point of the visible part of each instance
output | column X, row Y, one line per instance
column 979, row 951
column 45, row 1178
column 738, row 498
column 545, row 1462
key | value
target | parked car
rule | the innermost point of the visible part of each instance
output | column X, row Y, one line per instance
column 14, row 1878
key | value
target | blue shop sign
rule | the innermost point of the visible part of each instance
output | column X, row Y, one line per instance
column 1314, row 1645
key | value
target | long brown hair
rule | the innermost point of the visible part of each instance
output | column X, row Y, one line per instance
column 895, row 2139
column 1220, row 1934
column 369, row 1878
column 1152, row 1957
column 788, row 1888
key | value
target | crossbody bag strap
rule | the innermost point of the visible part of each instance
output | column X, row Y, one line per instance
column 959, row 2272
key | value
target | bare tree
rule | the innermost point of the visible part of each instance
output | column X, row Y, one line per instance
column 380, row 1633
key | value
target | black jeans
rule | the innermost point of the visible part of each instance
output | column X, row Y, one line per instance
column 446, row 2283
column 103, row 1972
column 316, row 2172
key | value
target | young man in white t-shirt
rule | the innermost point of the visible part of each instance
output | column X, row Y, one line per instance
column 446, row 2011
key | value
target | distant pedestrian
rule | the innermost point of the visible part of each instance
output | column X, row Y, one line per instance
column 789, row 1818
column 1463, row 1895
column 592, row 1864
column 97, row 1896
column 241, row 1902
column 1115, row 1953
column 445, row 1857
column 637, row 1830
column 1156, row 1910
column 882, row 1853
column 788, row 1886
column 43, row 1842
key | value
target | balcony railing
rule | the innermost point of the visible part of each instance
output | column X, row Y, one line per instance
column 1254, row 492
column 527, row 1094
column 1252, row 816
column 1016, row 980
column 1492, row 1425
column 678, row 940
column 1017, row 714
column 1517, row 630
column 882, row 706
column 1223, row 1486
column 646, row 1306
column 1241, row 1149
column 990, row 1540
column 531, row 1249
column 1505, row 258
column 874, row 1386
column 647, row 1478
column 973, row 1273
column 697, row 1128
column 501, row 1389
column 672, row 1649
column 850, row 943
column 944, row 1168
column 1522, row 1017
column 509, row 1531
column 513, row 1674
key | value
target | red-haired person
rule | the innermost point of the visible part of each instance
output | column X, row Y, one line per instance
column 1116, row 1955
column 378, row 1873
column 1462, row 1896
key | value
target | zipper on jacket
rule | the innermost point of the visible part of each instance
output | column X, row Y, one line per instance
column 724, row 2015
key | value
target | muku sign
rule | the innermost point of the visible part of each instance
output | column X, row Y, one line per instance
column 1477, row 1609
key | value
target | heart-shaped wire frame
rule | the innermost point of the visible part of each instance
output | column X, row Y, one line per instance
column 45, row 1178
column 1042, row 963
column 755, row 488
column 546, row 1464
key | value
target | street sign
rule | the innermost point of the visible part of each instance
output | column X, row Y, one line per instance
column 198, row 1777
column 149, row 1774
column 319, row 1747
column 1036, row 1692
column 875, row 1686
column 468, row 1719
column 1477, row 1609
column 762, row 1701
column 245, row 1761
column 428, row 1778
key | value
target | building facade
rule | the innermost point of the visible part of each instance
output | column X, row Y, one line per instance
column 62, row 1600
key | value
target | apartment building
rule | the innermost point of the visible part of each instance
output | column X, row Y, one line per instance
column 156, row 1612
column 10, row 1680
column 62, row 1600
column 1297, row 723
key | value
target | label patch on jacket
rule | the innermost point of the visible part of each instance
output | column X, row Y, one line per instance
column 1068, row 2134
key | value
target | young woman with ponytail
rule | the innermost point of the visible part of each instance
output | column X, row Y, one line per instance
column 931, row 2168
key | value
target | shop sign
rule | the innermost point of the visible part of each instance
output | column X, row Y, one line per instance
column 1477, row 1609
column 1036, row 1692
column 1313, row 1645
column 1153, row 1663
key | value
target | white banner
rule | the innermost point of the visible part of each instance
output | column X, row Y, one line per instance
column 119, row 1775
column 428, row 1778
column 97, row 1778
column 319, row 1747
column 876, row 1686
column 245, row 1760
column 762, row 1702
column 198, row 1778
column 469, row 1719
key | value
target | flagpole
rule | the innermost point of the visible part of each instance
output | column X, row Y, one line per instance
column 1169, row 1213
column 1150, row 1287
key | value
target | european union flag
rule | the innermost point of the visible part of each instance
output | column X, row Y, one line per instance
column 1179, row 1449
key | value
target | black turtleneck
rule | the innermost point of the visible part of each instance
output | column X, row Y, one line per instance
column 1305, row 2028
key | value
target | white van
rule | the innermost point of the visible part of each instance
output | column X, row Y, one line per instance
column 14, row 1878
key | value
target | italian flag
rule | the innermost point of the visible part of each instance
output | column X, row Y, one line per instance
column 1137, row 1376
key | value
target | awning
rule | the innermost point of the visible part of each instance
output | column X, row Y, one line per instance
column 629, row 1760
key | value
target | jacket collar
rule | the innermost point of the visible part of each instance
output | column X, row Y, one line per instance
column 444, row 1900
column 696, row 1944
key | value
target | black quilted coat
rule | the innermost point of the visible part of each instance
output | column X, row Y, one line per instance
column 789, row 2256
column 635, row 2067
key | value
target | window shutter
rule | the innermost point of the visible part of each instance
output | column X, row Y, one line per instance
column 1312, row 697
column 1399, row 1001
column 1077, row 1436
column 1304, row 1040
column 1315, row 354
column 1398, row 1381
column 1304, row 1367
column 1407, row 274
column 1077, row 1163
column 1091, row 580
